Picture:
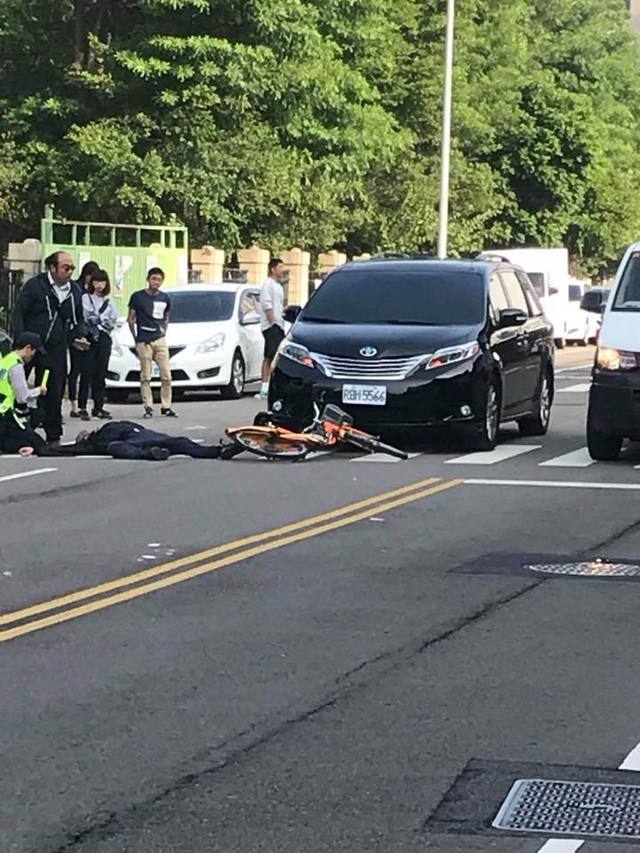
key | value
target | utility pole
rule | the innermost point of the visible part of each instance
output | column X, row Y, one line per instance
column 443, row 226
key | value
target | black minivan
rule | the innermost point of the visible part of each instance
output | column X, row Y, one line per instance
column 417, row 342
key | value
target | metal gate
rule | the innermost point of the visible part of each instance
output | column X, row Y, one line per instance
column 10, row 284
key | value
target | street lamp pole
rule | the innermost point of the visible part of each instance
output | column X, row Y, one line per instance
column 443, row 225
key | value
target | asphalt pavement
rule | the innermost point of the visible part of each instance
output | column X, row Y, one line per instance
column 348, row 654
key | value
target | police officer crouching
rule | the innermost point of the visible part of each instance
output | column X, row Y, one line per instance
column 18, row 402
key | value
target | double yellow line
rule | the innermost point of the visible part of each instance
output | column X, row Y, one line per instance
column 99, row 597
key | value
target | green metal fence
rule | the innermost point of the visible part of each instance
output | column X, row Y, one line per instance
column 126, row 252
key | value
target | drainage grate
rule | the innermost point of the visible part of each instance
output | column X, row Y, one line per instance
column 595, row 568
column 584, row 809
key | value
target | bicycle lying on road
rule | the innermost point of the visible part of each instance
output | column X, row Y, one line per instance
column 329, row 431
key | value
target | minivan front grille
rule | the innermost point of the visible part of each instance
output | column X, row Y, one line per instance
column 369, row 368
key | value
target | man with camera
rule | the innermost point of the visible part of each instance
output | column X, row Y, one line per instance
column 50, row 305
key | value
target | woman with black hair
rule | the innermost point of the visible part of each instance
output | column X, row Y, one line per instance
column 77, row 358
column 100, row 317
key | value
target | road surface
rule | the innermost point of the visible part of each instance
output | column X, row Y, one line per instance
column 349, row 654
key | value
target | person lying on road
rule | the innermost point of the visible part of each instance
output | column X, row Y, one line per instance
column 128, row 440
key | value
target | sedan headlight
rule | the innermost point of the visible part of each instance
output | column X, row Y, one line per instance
column 616, row 359
column 213, row 343
column 453, row 355
column 116, row 349
column 296, row 352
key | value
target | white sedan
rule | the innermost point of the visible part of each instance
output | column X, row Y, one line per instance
column 214, row 341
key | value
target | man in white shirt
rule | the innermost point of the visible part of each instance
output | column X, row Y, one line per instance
column 271, row 319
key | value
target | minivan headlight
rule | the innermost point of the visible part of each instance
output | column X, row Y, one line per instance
column 296, row 352
column 452, row 355
column 608, row 358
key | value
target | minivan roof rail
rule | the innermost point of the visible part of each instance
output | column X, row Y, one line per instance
column 492, row 256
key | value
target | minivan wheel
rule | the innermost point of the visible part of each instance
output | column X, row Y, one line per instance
column 486, row 436
column 538, row 423
column 235, row 388
column 602, row 446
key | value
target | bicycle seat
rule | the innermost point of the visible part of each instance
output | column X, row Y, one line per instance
column 335, row 415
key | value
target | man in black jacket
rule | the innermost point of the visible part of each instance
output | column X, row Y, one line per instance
column 50, row 305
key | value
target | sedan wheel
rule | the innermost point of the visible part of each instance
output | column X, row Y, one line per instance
column 235, row 388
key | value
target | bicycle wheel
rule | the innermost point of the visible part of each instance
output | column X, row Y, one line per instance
column 269, row 443
column 368, row 442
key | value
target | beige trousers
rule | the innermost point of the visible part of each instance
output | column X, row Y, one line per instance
column 157, row 351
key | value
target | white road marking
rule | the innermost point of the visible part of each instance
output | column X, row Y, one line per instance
column 96, row 456
column 632, row 761
column 557, row 845
column 582, row 388
column 575, row 459
column 27, row 474
column 376, row 457
column 555, row 484
column 491, row 457
column 587, row 365
column 382, row 457
column 193, row 428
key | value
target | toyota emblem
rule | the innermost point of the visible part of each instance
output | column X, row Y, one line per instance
column 368, row 352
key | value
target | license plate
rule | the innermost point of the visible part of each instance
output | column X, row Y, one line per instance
column 365, row 395
column 155, row 371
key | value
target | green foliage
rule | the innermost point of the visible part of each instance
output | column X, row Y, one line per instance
column 317, row 122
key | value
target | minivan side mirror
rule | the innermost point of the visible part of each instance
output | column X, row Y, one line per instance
column 291, row 312
column 512, row 317
column 593, row 301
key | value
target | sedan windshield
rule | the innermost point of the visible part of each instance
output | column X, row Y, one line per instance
column 399, row 297
column 199, row 307
column 628, row 293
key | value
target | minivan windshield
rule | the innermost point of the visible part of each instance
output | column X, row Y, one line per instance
column 412, row 298
column 200, row 306
column 628, row 292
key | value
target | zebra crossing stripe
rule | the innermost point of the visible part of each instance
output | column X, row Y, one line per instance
column 381, row 457
column 582, row 388
column 492, row 457
column 576, row 459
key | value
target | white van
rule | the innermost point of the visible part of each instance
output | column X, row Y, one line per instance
column 548, row 271
column 614, row 399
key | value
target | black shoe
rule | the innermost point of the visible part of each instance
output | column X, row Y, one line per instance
column 168, row 413
column 84, row 415
column 148, row 412
column 74, row 413
column 228, row 451
column 101, row 414
column 156, row 454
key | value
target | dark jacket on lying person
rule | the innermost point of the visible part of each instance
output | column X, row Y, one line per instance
column 128, row 440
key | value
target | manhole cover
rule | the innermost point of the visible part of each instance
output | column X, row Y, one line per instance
column 594, row 568
column 571, row 808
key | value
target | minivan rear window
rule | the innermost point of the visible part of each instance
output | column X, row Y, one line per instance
column 396, row 296
column 628, row 292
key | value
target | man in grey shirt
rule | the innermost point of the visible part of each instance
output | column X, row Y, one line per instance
column 271, row 319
